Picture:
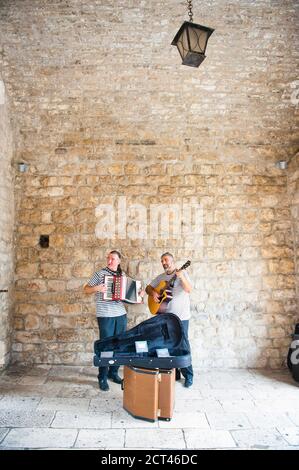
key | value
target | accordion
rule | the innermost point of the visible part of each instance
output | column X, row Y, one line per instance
column 122, row 288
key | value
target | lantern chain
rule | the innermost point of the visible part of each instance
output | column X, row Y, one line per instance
column 190, row 13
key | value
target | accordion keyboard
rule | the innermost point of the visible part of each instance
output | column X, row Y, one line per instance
column 113, row 284
column 110, row 287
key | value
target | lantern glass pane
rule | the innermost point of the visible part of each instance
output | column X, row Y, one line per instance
column 198, row 39
column 182, row 44
column 181, row 49
column 185, row 41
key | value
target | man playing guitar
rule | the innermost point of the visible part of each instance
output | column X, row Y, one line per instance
column 178, row 301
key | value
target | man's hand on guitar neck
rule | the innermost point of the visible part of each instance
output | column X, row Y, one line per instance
column 185, row 284
column 179, row 274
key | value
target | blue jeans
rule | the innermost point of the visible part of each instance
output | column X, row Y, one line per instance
column 110, row 326
column 187, row 372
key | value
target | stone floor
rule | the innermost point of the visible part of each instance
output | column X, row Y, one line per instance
column 61, row 407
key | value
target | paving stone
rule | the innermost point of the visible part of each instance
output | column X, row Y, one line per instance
column 25, row 418
column 115, row 390
column 236, row 406
column 186, row 420
column 203, row 405
column 3, row 432
column 293, row 415
column 64, row 404
column 92, row 372
column 122, row 419
column 228, row 383
column 183, row 393
column 34, row 438
column 234, row 394
column 18, row 402
column 268, row 392
column 259, row 439
column 209, row 439
column 17, row 370
column 204, row 389
column 72, row 379
column 241, row 373
column 40, row 370
column 33, row 380
column 228, row 421
column 262, row 419
column 273, row 376
column 105, row 404
column 51, row 389
column 81, row 420
column 9, row 380
column 79, row 391
column 217, row 377
column 280, row 404
column 65, row 371
column 291, row 435
column 198, row 381
column 30, row 390
column 100, row 439
column 159, row 439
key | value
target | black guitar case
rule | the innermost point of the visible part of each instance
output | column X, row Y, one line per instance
column 293, row 354
column 163, row 331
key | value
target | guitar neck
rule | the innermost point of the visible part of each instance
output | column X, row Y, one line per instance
column 172, row 280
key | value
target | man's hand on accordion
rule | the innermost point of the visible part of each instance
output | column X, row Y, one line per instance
column 93, row 289
column 141, row 293
column 101, row 288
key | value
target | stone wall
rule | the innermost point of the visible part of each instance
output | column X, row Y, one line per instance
column 293, row 180
column 103, row 110
column 6, row 228
column 244, row 296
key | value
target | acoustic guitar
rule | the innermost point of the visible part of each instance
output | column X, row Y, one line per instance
column 164, row 289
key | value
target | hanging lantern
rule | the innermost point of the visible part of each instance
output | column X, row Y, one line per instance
column 191, row 40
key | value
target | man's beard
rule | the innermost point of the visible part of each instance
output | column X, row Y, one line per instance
column 167, row 269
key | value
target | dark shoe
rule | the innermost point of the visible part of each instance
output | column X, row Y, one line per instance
column 103, row 384
column 177, row 374
column 188, row 383
column 115, row 378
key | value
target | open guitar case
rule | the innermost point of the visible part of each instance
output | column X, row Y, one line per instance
column 163, row 331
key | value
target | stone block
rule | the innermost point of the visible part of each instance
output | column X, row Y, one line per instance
column 34, row 438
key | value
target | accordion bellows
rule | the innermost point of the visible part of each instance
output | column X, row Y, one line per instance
column 164, row 331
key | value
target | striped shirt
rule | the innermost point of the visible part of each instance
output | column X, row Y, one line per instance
column 106, row 308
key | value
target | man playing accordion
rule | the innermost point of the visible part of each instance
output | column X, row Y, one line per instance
column 111, row 314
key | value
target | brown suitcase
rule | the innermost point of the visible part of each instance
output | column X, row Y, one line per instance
column 166, row 394
column 149, row 393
